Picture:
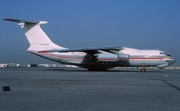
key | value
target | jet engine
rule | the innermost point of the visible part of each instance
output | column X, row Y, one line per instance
column 110, row 57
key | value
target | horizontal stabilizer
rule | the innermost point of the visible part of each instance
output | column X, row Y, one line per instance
column 25, row 21
column 20, row 21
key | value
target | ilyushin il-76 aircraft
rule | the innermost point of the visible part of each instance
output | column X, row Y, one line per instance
column 93, row 59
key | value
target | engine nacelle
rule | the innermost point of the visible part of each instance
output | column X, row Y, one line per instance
column 110, row 57
column 123, row 57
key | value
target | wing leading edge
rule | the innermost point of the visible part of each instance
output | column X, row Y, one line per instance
column 114, row 50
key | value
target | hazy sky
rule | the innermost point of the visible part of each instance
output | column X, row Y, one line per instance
column 144, row 24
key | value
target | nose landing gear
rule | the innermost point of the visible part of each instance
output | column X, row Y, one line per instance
column 143, row 68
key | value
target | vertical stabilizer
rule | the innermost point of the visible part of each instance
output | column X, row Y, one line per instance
column 36, row 36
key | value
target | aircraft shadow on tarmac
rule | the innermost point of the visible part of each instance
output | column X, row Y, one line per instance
column 110, row 70
column 84, row 70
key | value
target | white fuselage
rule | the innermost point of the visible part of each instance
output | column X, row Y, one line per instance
column 137, row 58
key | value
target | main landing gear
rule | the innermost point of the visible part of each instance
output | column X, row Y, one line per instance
column 97, row 69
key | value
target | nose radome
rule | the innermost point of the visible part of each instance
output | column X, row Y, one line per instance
column 172, row 61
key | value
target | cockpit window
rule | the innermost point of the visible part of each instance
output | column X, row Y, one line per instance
column 164, row 53
column 168, row 55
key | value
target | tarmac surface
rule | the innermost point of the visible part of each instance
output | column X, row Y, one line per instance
column 75, row 89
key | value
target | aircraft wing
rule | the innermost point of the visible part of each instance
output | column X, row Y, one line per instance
column 89, row 50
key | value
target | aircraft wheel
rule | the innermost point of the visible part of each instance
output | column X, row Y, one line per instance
column 143, row 70
column 90, row 69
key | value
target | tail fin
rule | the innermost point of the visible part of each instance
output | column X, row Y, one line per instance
column 36, row 36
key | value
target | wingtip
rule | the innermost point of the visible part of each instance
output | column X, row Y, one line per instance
column 7, row 19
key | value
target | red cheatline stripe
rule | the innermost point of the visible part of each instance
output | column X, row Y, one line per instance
column 150, row 58
column 43, row 52
column 58, row 56
column 72, row 58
